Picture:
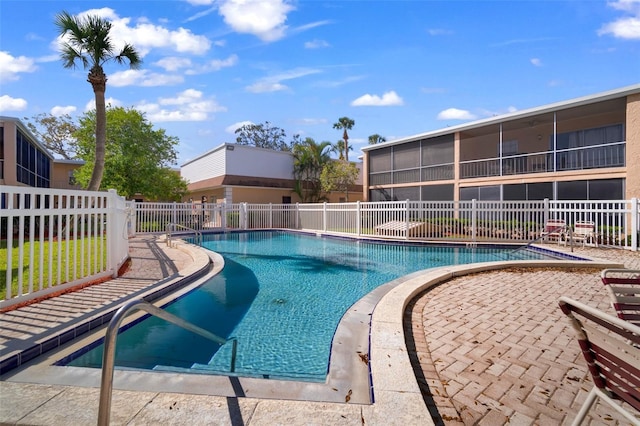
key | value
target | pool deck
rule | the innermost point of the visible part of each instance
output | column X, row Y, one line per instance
column 454, row 345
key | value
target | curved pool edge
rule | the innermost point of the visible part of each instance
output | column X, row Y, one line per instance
column 378, row 313
column 395, row 387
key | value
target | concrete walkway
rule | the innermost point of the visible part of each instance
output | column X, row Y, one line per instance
column 488, row 348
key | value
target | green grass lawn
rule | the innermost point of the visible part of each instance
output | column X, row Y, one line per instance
column 95, row 257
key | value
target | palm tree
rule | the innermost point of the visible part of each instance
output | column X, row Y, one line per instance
column 338, row 148
column 88, row 42
column 345, row 123
column 310, row 158
column 376, row 138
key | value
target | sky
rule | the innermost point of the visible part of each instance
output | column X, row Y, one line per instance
column 397, row 68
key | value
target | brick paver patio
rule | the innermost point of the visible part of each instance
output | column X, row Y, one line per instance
column 494, row 348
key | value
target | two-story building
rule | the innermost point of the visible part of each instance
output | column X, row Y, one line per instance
column 239, row 173
column 581, row 149
column 25, row 161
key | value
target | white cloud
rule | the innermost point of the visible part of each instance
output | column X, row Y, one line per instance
column 91, row 105
column 173, row 63
column 144, row 35
column 388, row 99
column 7, row 103
column 203, row 13
column 11, row 67
column 627, row 27
column 188, row 105
column 273, row 83
column 214, row 65
column 338, row 83
column 265, row 87
column 57, row 111
column 200, row 2
column 235, row 126
column 316, row 44
column 262, row 18
column 455, row 114
column 536, row 62
column 144, row 78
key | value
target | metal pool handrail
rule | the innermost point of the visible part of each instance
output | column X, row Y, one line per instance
column 170, row 226
column 108, row 357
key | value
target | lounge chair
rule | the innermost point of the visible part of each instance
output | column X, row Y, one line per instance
column 623, row 286
column 554, row 229
column 399, row 228
column 611, row 347
column 583, row 231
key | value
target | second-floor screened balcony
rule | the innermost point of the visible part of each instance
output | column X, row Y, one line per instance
column 580, row 138
column 593, row 157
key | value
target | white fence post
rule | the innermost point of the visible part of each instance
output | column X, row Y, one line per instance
column 270, row 215
column 358, row 219
column 245, row 218
column 223, row 215
column 324, row 216
column 132, row 217
column 474, row 220
column 406, row 220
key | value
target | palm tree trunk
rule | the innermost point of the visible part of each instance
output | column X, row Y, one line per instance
column 99, row 82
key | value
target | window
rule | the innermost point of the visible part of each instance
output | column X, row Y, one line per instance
column 437, row 193
column 410, row 193
column 406, row 156
column 481, row 193
column 380, row 160
column 32, row 165
column 589, row 137
column 572, row 190
column 286, row 199
column 510, row 147
column 437, row 151
column 606, row 189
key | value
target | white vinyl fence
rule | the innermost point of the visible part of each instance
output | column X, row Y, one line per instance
column 615, row 222
column 51, row 240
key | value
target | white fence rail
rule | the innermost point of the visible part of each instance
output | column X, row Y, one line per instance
column 616, row 222
column 51, row 240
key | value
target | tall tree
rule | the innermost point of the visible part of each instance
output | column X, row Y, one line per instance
column 339, row 176
column 263, row 136
column 87, row 40
column 376, row 138
column 138, row 158
column 310, row 158
column 56, row 133
column 345, row 123
column 339, row 148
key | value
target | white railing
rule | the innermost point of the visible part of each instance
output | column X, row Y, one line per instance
column 54, row 239
column 617, row 221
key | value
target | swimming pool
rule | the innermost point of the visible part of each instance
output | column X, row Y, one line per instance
column 282, row 296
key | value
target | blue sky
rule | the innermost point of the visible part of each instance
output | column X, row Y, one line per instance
column 397, row 68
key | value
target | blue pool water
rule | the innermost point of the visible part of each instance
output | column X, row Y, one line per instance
column 281, row 295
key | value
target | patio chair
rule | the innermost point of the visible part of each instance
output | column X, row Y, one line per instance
column 554, row 229
column 611, row 347
column 583, row 231
column 623, row 286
